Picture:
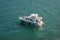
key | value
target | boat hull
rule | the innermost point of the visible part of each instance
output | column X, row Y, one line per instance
column 29, row 23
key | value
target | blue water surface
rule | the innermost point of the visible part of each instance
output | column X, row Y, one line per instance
column 11, row 29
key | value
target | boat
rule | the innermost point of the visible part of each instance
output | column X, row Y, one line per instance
column 32, row 19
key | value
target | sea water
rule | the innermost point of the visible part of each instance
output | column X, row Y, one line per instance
column 11, row 29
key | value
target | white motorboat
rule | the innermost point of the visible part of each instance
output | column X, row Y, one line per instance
column 33, row 19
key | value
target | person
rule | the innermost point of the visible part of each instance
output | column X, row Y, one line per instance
column 37, row 20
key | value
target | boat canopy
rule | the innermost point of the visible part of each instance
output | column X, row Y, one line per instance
column 35, row 15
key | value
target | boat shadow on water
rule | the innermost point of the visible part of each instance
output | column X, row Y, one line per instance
column 30, row 26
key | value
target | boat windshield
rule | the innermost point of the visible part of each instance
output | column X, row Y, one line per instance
column 29, row 19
